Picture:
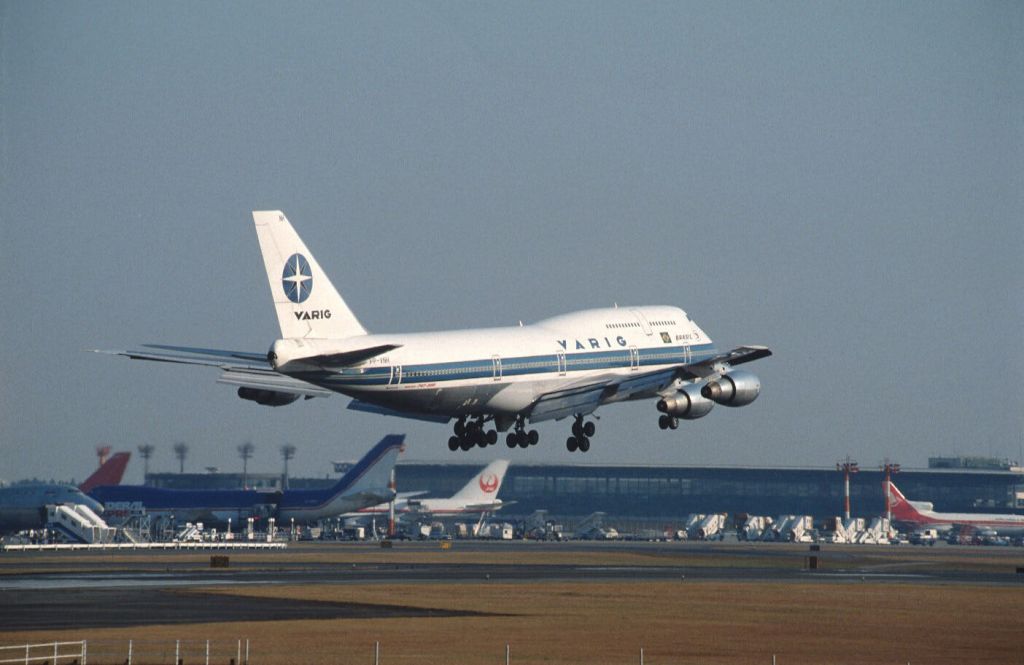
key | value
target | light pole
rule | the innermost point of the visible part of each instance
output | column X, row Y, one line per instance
column 889, row 469
column 287, row 452
column 245, row 452
column 145, row 452
column 181, row 452
column 847, row 467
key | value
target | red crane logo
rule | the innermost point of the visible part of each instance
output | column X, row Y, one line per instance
column 489, row 483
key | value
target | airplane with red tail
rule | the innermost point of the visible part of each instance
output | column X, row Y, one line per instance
column 921, row 515
column 109, row 473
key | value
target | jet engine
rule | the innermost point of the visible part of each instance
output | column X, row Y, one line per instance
column 687, row 404
column 267, row 397
column 737, row 388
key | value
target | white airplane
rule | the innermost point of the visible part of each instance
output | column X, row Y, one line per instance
column 568, row 365
column 921, row 514
column 479, row 495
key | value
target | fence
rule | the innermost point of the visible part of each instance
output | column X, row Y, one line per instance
column 130, row 652
column 58, row 652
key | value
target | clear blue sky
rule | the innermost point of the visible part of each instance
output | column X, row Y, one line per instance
column 840, row 181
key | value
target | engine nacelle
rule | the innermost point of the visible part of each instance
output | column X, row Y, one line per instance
column 737, row 388
column 267, row 397
column 687, row 404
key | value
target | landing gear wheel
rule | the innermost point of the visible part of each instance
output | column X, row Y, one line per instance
column 510, row 440
column 571, row 444
column 589, row 429
column 522, row 439
column 663, row 422
column 577, row 428
column 533, row 437
column 673, row 422
column 584, row 444
column 492, row 437
column 466, row 443
column 453, row 443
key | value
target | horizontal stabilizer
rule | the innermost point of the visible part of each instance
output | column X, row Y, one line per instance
column 348, row 358
column 216, row 353
column 267, row 380
column 187, row 355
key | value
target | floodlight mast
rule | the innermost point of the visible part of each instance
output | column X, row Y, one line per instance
column 847, row 467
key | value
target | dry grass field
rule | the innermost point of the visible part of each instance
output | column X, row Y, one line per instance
column 680, row 621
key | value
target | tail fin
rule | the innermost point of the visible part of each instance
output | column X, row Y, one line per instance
column 109, row 474
column 901, row 508
column 373, row 472
column 307, row 303
column 485, row 485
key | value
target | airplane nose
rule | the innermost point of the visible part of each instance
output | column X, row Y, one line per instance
column 94, row 505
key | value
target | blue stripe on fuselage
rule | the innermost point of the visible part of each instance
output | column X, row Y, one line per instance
column 514, row 366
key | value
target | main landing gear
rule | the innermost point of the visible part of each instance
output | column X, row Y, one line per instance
column 520, row 437
column 472, row 433
column 582, row 431
column 668, row 422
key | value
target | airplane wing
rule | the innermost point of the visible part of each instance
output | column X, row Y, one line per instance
column 712, row 366
column 238, row 368
column 585, row 398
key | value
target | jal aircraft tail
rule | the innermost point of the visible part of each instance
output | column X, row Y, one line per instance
column 307, row 303
column 484, row 486
column 110, row 473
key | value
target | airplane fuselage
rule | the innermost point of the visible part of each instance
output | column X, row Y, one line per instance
column 502, row 371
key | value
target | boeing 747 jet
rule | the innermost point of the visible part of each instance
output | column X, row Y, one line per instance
column 487, row 380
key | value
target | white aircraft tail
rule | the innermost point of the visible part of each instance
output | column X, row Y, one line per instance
column 484, row 486
column 307, row 303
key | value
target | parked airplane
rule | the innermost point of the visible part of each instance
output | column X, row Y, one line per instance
column 24, row 506
column 920, row 515
column 365, row 484
column 479, row 495
column 568, row 365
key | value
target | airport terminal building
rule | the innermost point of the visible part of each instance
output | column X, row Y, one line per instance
column 646, row 492
column 673, row 492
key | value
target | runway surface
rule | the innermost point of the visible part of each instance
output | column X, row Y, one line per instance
column 140, row 589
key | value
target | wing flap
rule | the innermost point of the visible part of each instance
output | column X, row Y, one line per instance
column 367, row 407
column 584, row 399
column 562, row 403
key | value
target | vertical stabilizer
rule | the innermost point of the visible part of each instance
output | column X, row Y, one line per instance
column 110, row 473
column 307, row 303
column 372, row 473
column 484, row 486
column 902, row 509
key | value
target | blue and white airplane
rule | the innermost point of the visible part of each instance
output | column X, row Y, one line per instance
column 366, row 484
column 489, row 380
